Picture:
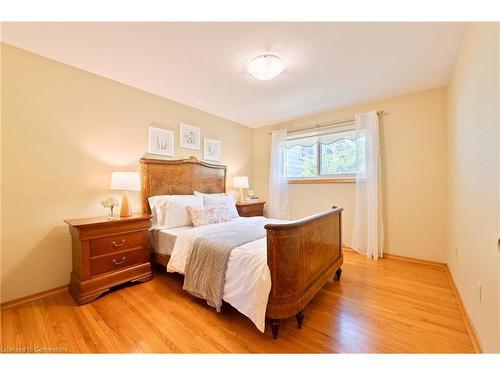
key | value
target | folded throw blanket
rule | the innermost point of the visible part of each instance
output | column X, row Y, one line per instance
column 205, row 271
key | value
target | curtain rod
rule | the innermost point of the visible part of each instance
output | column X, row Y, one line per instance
column 327, row 124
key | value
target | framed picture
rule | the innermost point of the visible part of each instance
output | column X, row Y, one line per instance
column 189, row 136
column 211, row 149
column 160, row 141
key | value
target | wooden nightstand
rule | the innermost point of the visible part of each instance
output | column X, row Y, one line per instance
column 248, row 209
column 107, row 253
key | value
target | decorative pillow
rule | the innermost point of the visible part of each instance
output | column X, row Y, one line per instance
column 204, row 215
column 228, row 200
column 171, row 210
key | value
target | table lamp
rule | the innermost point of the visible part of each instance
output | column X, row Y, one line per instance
column 125, row 181
column 241, row 182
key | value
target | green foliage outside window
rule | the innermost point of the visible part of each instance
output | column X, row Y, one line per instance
column 337, row 158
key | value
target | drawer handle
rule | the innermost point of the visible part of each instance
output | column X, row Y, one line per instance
column 118, row 244
column 120, row 262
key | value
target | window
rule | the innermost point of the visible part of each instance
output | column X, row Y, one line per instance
column 330, row 153
column 306, row 152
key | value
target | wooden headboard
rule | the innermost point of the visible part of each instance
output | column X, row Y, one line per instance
column 169, row 177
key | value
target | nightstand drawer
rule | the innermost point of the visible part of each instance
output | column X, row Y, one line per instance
column 117, row 261
column 112, row 244
column 250, row 209
column 252, row 213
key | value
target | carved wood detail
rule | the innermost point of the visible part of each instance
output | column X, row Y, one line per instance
column 172, row 177
column 302, row 256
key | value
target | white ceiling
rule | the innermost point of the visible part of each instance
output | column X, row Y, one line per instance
column 328, row 65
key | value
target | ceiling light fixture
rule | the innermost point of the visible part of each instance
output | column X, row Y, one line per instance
column 265, row 67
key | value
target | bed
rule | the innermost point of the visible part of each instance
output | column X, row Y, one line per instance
column 286, row 267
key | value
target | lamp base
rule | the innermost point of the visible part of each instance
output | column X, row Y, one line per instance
column 242, row 195
column 125, row 207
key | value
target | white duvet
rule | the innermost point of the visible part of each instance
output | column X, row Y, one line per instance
column 248, row 279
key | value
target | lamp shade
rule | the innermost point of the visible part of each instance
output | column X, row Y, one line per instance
column 125, row 181
column 240, row 182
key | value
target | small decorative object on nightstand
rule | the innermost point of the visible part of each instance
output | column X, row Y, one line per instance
column 107, row 253
column 248, row 209
column 110, row 203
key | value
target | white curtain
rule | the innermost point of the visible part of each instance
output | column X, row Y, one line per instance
column 277, row 207
column 368, row 236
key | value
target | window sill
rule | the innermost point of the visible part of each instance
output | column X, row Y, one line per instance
column 338, row 180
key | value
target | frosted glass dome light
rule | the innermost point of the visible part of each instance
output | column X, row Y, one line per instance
column 265, row 67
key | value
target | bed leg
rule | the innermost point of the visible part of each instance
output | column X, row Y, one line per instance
column 275, row 327
column 300, row 319
column 338, row 273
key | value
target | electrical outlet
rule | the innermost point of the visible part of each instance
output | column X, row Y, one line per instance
column 479, row 291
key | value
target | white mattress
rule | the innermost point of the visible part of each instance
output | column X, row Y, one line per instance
column 163, row 240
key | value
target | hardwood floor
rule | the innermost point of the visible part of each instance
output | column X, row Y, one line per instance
column 384, row 306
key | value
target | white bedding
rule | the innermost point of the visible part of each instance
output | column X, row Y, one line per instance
column 248, row 279
column 163, row 240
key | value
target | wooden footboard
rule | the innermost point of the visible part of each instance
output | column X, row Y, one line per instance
column 302, row 256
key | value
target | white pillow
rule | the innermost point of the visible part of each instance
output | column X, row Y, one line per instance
column 211, row 200
column 204, row 215
column 171, row 210
column 153, row 202
column 200, row 193
column 233, row 213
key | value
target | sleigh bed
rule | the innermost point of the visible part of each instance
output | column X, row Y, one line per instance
column 302, row 255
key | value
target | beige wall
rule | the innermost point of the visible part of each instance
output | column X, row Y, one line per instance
column 64, row 131
column 413, row 157
column 473, row 165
